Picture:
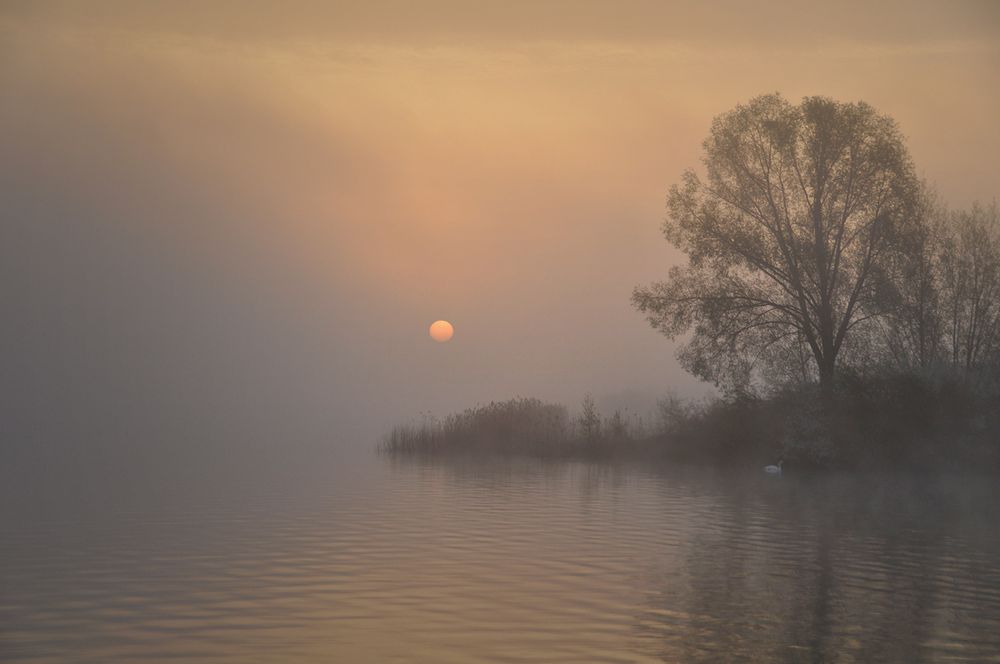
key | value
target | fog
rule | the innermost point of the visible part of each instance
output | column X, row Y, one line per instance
column 229, row 228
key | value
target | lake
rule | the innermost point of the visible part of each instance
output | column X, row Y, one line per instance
column 379, row 559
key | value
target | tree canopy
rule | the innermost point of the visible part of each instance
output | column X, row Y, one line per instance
column 789, row 237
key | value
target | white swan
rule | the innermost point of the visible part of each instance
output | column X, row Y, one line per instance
column 774, row 470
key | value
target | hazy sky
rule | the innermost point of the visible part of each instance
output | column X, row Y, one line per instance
column 235, row 220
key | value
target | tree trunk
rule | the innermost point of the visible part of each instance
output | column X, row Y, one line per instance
column 826, row 378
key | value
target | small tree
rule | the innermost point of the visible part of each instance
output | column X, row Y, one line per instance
column 786, row 237
column 590, row 420
column 616, row 428
column 913, row 328
column 970, row 276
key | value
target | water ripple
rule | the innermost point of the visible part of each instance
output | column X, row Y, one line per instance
column 516, row 562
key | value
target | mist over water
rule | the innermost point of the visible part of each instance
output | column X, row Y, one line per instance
column 224, row 225
column 513, row 560
column 224, row 230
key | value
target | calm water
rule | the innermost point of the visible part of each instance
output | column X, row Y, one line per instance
column 384, row 560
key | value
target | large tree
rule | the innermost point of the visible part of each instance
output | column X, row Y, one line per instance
column 787, row 238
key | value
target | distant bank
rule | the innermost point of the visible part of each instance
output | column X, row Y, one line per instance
column 922, row 422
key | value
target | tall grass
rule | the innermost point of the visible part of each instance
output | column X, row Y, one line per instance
column 515, row 425
column 520, row 425
column 935, row 420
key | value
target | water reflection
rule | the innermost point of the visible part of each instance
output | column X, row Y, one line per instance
column 516, row 561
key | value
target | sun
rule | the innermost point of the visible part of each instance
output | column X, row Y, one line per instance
column 441, row 331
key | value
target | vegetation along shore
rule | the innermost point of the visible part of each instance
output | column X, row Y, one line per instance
column 846, row 315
